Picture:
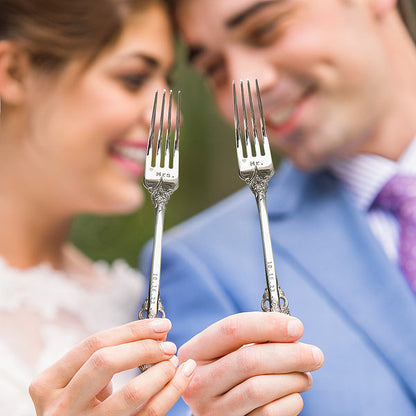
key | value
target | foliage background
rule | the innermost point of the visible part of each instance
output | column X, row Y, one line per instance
column 208, row 173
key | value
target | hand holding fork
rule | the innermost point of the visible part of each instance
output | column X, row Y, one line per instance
column 256, row 169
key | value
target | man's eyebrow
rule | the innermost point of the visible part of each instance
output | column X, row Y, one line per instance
column 194, row 52
column 246, row 13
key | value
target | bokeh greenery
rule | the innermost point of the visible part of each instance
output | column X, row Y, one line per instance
column 208, row 173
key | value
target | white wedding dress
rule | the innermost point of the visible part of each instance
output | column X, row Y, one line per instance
column 44, row 313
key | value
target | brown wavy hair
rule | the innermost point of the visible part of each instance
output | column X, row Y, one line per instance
column 54, row 31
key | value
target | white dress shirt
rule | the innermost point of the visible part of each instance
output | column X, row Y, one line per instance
column 365, row 175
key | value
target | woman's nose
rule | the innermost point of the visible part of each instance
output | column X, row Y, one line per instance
column 162, row 110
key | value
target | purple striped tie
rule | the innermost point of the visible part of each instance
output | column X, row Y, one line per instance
column 399, row 196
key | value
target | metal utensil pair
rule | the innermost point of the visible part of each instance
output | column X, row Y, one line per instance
column 255, row 165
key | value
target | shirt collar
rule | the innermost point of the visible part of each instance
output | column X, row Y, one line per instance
column 365, row 174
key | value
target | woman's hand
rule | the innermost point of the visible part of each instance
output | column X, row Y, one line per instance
column 80, row 382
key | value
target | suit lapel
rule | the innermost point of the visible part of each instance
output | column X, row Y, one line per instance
column 314, row 221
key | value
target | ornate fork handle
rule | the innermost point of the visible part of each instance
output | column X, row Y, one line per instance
column 152, row 306
column 160, row 195
column 258, row 182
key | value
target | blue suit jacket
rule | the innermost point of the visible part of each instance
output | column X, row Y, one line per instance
column 354, row 303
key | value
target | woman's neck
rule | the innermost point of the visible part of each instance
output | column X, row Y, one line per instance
column 30, row 235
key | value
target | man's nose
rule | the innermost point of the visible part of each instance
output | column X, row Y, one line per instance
column 244, row 64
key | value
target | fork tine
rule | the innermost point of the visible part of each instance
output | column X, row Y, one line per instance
column 178, row 121
column 253, row 121
column 237, row 126
column 245, row 122
column 149, row 152
column 160, row 134
column 177, row 131
column 167, row 143
column 266, row 146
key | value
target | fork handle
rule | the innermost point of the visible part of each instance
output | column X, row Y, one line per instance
column 273, row 293
column 152, row 305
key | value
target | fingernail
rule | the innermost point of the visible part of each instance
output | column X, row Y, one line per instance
column 318, row 356
column 310, row 379
column 161, row 325
column 167, row 347
column 188, row 368
column 174, row 360
column 294, row 328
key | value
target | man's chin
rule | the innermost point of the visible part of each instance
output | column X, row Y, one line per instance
column 308, row 162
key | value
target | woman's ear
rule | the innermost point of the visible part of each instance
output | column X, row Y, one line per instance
column 13, row 68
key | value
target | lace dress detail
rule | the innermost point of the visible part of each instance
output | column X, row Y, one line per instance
column 44, row 313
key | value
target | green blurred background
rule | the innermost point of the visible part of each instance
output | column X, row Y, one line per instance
column 208, row 173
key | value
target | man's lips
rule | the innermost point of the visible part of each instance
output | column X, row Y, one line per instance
column 286, row 118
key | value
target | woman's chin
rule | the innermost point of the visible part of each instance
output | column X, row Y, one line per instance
column 121, row 203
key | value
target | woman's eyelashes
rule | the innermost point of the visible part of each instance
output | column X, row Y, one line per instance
column 134, row 81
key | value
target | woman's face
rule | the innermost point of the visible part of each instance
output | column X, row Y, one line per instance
column 86, row 128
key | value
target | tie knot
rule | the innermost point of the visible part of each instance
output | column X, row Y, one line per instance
column 398, row 195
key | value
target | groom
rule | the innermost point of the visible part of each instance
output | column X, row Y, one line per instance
column 338, row 83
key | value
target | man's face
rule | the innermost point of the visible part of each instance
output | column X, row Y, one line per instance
column 321, row 67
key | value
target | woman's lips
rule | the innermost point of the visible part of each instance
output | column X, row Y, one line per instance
column 130, row 155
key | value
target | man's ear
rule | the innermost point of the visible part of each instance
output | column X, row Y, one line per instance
column 14, row 66
column 382, row 7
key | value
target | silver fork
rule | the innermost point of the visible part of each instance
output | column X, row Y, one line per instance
column 161, row 179
column 256, row 169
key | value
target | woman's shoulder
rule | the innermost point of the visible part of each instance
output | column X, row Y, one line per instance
column 101, row 273
column 84, row 287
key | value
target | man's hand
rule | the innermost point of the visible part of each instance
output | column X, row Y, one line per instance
column 250, row 364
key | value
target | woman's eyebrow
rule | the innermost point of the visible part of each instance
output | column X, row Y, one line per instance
column 243, row 15
column 150, row 60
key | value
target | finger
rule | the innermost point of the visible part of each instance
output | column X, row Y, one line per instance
column 105, row 392
column 138, row 391
column 59, row 374
column 237, row 330
column 99, row 369
column 259, row 391
column 290, row 405
column 257, row 359
column 170, row 394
